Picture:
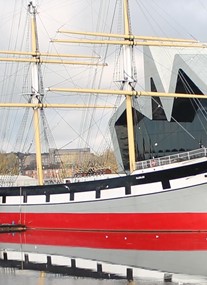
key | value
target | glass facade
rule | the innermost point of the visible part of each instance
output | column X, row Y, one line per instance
column 187, row 129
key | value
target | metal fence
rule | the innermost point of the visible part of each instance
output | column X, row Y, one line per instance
column 165, row 160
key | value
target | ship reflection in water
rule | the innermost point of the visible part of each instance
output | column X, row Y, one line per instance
column 124, row 256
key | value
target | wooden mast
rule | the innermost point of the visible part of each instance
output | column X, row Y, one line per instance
column 35, row 100
column 128, row 80
column 35, row 93
column 141, row 38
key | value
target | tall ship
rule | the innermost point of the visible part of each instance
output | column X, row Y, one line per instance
column 158, row 134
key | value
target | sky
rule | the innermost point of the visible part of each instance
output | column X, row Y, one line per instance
column 172, row 18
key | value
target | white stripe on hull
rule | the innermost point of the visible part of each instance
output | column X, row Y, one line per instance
column 189, row 199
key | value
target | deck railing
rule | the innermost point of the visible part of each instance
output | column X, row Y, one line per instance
column 184, row 156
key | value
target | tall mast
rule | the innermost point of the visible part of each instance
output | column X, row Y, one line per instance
column 35, row 91
column 128, row 85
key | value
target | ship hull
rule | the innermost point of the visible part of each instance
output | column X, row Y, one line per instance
column 147, row 207
column 110, row 222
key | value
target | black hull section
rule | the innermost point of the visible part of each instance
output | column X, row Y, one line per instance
column 163, row 176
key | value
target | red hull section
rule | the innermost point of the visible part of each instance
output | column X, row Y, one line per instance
column 110, row 240
column 110, row 221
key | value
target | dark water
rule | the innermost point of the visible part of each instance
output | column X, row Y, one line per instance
column 52, row 257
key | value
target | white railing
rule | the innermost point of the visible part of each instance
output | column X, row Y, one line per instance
column 184, row 156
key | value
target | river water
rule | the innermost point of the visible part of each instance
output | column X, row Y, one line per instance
column 53, row 257
column 21, row 277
